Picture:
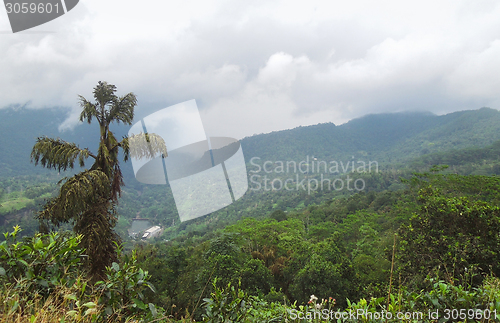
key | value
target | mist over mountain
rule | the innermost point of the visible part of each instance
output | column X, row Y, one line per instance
column 386, row 138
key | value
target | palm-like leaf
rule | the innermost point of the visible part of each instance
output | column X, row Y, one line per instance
column 145, row 145
column 78, row 194
column 104, row 93
column 122, row 109
column 89, row 198
column 58, row 154
column 89, row 110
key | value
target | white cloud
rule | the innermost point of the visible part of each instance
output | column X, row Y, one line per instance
column 262, row 65
column 477, row 75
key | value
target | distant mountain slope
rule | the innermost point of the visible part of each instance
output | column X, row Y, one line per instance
column 386, row 138
column 471, row 160
column 19, row 129
column 477, row 128
column 466, row 140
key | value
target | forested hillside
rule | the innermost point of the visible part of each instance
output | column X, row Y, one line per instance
column 416, row 238
column 387, row 138
column 420, row 251
column 398, row 143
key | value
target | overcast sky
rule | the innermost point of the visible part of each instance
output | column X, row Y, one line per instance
column 259, row 66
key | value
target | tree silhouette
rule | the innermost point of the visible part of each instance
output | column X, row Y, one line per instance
column 88, row 199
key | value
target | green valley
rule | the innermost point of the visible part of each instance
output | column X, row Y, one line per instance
column 416, row 239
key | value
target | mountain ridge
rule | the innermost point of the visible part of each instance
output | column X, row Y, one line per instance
column 386, row 137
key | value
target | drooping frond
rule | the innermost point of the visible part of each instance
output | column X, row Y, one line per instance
column 89, row 199
column 78, row 195
column 58, row 154
column 89, row 110
column 126, row 148
column 146, row 145
column 123, row 109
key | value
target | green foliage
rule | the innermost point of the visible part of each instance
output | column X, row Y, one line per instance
column 15, row 203
column 40, row 263
column 273, row 263
column 89, row 198
column 452, row 236
column 256, row 278
column 145, row 145
column 121, row 109
column 326, row 271
column 342, row 248
column 123, row 291
column 232, row 304
column 443, row 302
column 45, row 271
column 42, row 268
column 278, row 215
column 469, row 304
column 37, row 191
column 58, row 154
column 77, row 195
column 325, row 243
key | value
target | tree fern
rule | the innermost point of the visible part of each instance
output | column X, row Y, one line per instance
column 88, row 199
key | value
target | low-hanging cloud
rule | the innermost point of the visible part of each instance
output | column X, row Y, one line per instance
column 265, row 65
